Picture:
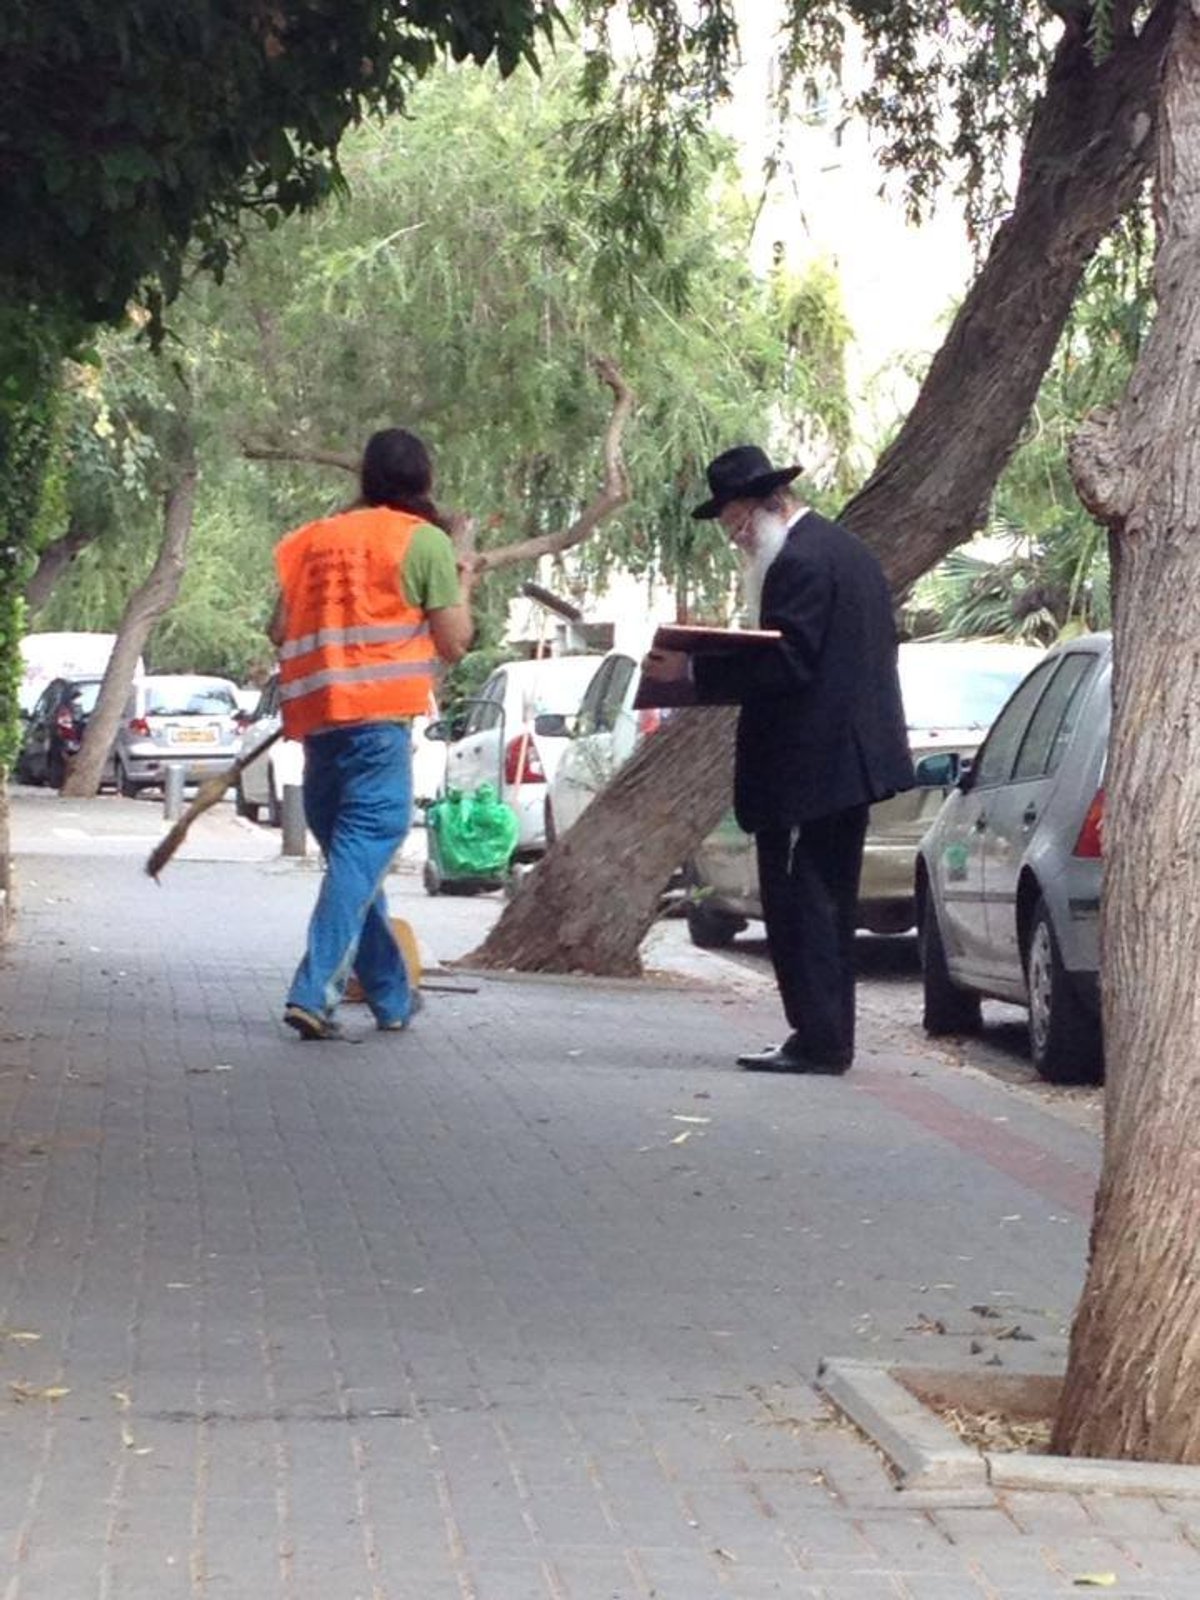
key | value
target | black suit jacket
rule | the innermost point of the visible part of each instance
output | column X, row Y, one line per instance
column 822, row 723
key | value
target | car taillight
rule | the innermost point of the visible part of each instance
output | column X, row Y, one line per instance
column 649, row 721
column 522, row 764
column 1090, row 843
column 139, row 727
column 64, row 721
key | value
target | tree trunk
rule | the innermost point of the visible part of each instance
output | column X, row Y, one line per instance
column 1087, row 153
column 142, row 610
column 1134, row 1369
column 53, row 561
column 604, row 877
column 1086, row 156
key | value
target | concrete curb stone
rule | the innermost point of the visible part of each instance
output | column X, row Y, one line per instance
column 927, row 1455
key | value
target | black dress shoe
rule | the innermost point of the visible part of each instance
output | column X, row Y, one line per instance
column 780, row 1058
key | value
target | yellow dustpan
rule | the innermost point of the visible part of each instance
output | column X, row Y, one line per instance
column 409, row 950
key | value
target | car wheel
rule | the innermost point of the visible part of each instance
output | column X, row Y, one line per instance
column 56, row 767
column 125, row 783
column 710, row 928
column 432, row 878
column 244, row 808
column 1064, row 1036
column 274, row 808
column 948, row 1008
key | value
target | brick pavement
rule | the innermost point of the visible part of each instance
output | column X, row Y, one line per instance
column 522, row 1305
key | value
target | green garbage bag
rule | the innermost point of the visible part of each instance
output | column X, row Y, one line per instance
column 476, row 833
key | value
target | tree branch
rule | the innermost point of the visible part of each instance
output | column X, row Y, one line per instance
column 53, row 561
column 305, row 455
column 613, row 494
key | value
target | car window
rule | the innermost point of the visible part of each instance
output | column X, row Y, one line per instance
column 1000, row 749
column 970, row 697
column 85, row 696
column 559, row 686
column 613, row 696
column 1054, row 721
column 591, row 706
column 47, row 701
column 189, row 700
column 488, row 709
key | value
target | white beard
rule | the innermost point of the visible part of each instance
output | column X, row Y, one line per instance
column 770, row 532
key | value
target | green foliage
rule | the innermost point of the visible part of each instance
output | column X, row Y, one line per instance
column 455, row 290
column 1053, row 577
column 134, row 132
column 28, row 491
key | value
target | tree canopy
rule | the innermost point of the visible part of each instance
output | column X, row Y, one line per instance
column 466, row 307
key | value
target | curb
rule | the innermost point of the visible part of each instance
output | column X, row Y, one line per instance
column 923, row 1451
column 1077, row 1475
column 927, row 1455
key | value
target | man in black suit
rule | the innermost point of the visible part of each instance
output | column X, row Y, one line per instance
column 821, row 736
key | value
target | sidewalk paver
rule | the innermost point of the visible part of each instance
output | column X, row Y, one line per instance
column 525, row 1303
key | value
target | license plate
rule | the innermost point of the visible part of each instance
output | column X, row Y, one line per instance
column 193, row 736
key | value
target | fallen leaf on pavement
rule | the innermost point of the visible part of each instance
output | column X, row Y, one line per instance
column 679, row 1117
column 1096, row 1580
column 19, row 1335
column 985, row 1311
column 682, row 1138
column 27, row 1391
column 724, row 1555
column 1015, row 1332
column 925, row 1324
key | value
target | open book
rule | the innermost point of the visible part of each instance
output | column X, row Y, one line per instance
column 696, row 641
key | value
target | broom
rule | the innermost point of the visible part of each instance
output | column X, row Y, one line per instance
column 207, row 795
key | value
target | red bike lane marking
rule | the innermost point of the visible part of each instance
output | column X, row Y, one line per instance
column 1061, row 1182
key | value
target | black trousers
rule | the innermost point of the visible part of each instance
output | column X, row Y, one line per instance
column 808, row 881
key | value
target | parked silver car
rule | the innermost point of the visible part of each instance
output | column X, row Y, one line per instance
column 1008, row 877
column 952, row 692
column 176, row 719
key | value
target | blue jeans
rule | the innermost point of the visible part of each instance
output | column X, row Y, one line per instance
column 358, row 803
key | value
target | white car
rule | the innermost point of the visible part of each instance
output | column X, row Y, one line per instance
column 513, row 735
column 603, row 737
column 261, row 785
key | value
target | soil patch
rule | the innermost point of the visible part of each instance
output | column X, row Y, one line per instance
column 993, row 1411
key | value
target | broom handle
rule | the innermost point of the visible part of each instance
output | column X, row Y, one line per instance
column 243, row 761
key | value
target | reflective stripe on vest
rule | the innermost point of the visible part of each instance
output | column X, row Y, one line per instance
column 354, row 649
column 299, row 687
column 377, row 633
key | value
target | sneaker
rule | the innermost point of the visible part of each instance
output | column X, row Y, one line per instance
column 311, row 1024
column 399, row 1024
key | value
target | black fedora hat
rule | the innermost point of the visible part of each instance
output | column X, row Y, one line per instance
column 743, row 473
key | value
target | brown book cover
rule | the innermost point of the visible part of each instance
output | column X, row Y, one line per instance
column 695, row 641
column 706, row 641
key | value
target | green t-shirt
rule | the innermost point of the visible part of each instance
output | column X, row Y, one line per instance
column 429, row 573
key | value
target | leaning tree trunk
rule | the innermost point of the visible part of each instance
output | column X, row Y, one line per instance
column 602, row 861
column 1086, row 156
column 142, row 610
column 1134, row 1369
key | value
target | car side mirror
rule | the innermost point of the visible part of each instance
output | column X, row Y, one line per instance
column 966, row 776
column 438, row 731
column 937, row 771
column 552, row 725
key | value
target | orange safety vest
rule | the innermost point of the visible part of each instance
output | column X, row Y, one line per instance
column 354, row 649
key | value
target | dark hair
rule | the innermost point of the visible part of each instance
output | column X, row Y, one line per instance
column 397, row 472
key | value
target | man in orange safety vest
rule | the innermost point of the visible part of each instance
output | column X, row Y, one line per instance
column 370, row 600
